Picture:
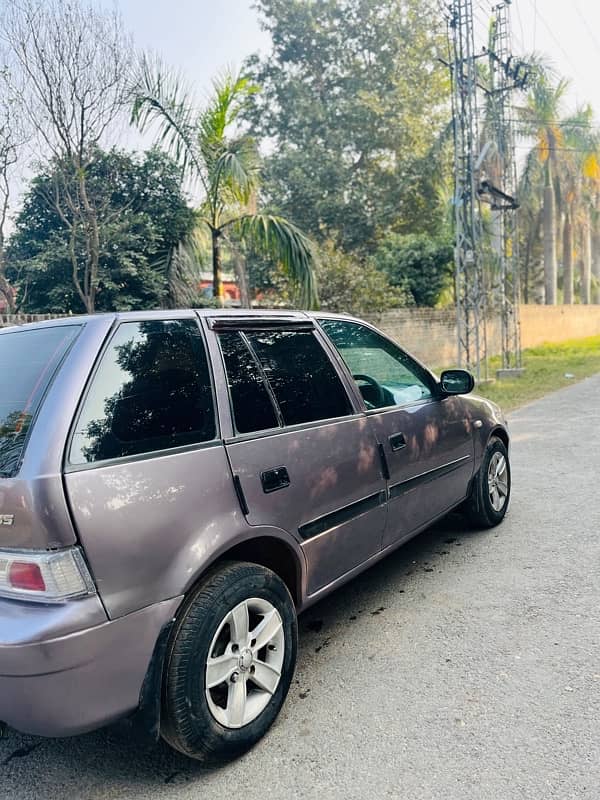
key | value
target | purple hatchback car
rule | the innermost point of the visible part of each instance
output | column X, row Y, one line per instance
column 176, row 486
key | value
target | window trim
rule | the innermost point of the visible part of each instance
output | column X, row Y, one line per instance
column 299, row 426
column 69, row 467
column 421, row 368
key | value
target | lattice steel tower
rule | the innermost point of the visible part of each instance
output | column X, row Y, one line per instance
column 470, row 290
column 507, row 76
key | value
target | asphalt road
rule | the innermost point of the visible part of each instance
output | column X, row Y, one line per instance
column 466, row 665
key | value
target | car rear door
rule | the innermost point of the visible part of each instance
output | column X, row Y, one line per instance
column 303, row 456
column 426, row 440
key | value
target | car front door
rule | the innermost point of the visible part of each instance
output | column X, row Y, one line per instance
column 425, row 438
column 305, row 459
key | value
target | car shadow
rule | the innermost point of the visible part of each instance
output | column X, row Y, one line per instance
column 119, row 755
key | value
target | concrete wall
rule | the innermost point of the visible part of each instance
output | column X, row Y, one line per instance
column 541, row 324
column 430, row 334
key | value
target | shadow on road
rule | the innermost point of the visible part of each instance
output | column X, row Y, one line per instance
column 117, row 755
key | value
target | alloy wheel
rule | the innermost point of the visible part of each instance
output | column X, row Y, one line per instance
column 498, row 481
column 244, row 664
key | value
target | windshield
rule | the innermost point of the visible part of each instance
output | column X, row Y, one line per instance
column 28, row 361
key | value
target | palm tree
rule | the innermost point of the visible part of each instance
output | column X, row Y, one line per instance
column 580, row 182
column 214, row 153
column 541, row 116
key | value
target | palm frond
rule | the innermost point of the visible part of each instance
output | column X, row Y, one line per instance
column 236, row 171
column 230, row 95
column 182, row 266
column 275, row 236
column 160, row 97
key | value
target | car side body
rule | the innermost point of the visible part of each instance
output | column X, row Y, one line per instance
column 314, row 501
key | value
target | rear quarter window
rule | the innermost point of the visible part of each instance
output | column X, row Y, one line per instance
column 152, row 391
column 29, row 360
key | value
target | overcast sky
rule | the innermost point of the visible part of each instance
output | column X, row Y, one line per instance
column 203, row 36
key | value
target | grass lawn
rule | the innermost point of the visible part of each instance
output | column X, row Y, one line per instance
column 545, row 369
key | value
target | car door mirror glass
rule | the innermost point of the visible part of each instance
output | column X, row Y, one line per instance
column 457, row 381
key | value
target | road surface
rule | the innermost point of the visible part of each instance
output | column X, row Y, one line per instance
column 464, row 666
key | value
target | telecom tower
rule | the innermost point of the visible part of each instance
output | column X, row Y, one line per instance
column 470, row 291
column 507, row 75
column 485, row 172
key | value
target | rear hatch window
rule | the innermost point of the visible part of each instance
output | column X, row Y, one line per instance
column 28, row 362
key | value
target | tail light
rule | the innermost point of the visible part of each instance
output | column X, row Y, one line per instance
column 46, row 577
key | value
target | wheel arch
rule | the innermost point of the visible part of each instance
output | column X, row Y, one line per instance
column 500, row 433
column 269, row 548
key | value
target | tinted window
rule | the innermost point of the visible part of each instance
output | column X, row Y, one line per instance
column 303, row 379
column 250, row 400
column 152, row 391
column 385, row 374
column 28, row 360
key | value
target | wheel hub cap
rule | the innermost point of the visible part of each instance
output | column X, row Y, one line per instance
column 246, row 660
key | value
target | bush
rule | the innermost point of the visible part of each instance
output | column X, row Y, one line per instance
column 348, row 285
column 418, row 265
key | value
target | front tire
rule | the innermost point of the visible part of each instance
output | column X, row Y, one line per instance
column 490, row 493
column 230, row 664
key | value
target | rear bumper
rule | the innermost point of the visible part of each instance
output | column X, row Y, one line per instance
column 73, row 683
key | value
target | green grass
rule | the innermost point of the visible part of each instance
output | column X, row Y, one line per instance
column 545, row 369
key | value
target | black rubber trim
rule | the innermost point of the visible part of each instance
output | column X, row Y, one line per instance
column 146, row 718
column 237, row 485
column 345, row 514
column 385, row 470
column 258, row 324
column 403, row 487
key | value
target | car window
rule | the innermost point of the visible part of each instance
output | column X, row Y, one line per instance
column 28, row 360
column 385, row 374
column 302, row 378
column 251, row 403
column 152, row 391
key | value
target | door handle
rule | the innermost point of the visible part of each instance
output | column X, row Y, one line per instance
column 274, row 479
column 397, row 441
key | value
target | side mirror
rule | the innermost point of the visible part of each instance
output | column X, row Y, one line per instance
column 456, row 381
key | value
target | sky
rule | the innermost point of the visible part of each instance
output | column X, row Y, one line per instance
column 202, row 37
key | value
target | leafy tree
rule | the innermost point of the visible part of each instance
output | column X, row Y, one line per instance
column 353, row 99
column 349, row 286
column 212, row 151
column 142, row 214
column 417, row 264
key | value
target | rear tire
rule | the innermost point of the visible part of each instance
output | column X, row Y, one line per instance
column 490, row 492
column 230, row 664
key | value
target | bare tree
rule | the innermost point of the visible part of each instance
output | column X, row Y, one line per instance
column 72, row 67
column 12, row 138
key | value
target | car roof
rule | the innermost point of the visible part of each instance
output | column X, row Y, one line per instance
column 170, row 313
